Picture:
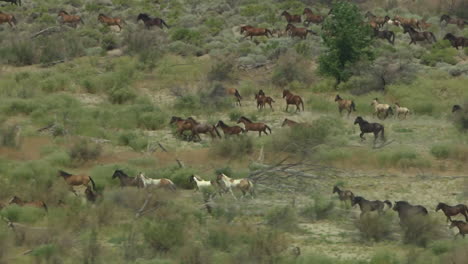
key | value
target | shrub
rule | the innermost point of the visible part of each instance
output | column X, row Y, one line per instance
column 421, row 230
column 440, row 151
column 84, row 150
column 19, row 52
column 121, row 95
column 288, row 69
column 403, row 158
column 374, row 227
column 321, row 208
column 234, row 147
column 442, row 51
column 163, row 236
column 134, row 140
column 284, row 218
column 109, row 42
column 187, row 35
column 221, row 71
column 25, row 214
column 10, row 136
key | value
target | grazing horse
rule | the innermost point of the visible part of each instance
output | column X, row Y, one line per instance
column 456, row 108
column 262, row 100
column 234, row 92
column 7, row 18
column 456, row 41
column 406, row 210
column 181, row 124
column 385, row 34
column 70, row 19
column 13, row 2
column 151, row 22
column 406, row 22
column 344, row 195
column 343, row 104
column 419, row 36
column 76, row 180
column 291, row 18
column 230, row 130
column 462, row 227
column 199, row 182
column 311, row 17
column 381, row 108
column 457, row 21
column 369, row 206
column 254, row 32
column 292, row 99
column 250, row 126
column 38, row 204
column 453, row 210
column 156, row 183
column 198, row 128
column 298, row 32
column 290, row 123
column 227, row 184
column 111, row 21
column 125, row 180
column 367, row 127
column 401, row 111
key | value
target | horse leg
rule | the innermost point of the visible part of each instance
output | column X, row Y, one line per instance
column 260, row 133
column 287, row 105
column 232, row 193
column 362, row 136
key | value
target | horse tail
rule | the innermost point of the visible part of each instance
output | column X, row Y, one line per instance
column 383, row 133
column 44, row 205
column 164, row 23
column 465, row 212
column 217, row 132
column 251, row 189
column 267, row 127
column 388, row 203
column 172, row 186
column 92, row 182
column 353, row 106
column 81, row 20
column 302, row 103
column 433, row 36
column 268, row 32
column 392, row 37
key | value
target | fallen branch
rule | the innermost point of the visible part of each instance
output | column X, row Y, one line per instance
column 48, row 30
column 143, row 207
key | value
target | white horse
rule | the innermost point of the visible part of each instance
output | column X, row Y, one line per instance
column 156, row 183
column 401, row 111
column 227, row 184
column 199, row 183
column 381, row 108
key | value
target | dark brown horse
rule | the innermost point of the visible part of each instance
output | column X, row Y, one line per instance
column 456, row 41
column 254, row 32
column 462, row 227
column 291, row 18
column 343, row 104
column 456, row 21
column 198, row 128
column 385, row 34
column 367, row 127
column 406, row 210
column 38, row 204
column 262, row 100
column 453, row 210
column 76, row 180
column 7, row 18
column 298, row 32
column 311, row 17
column 344, row 195
column 13, row 2
column 125, row 180
column 181, row 125
column 151, row 22
column 73, row 20
column 369, row 206
column 292, row 99
column 111, row 21
column 251, row 126
column 419, row 36
column 230, row 130
column 234, row 92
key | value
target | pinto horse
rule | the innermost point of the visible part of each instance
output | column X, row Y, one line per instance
column 7, row 18
column 457, row 21
column 125, row 180
column 227, row 184
column 343, row 104
column 156, row 183
column 70, row 19
column 456, row 41
column 111, row 21
column 367, row 127
column 418, row 36
column 255, row 32
column 343, row 195
column 292, row 99
column 406, row 210
column 298, row 32
column 198, row 128
column 385, row 34
column 453, row 210
column 291, row 18
column 369, row 206
column 250, row 126
column 199, row 182
column 151, row 22
column 38, row 204
column 311, row 17
column 462, row 227
column 262, row 100
column 230, row 130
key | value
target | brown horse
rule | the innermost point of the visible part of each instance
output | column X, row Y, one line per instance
column 151, row 22
column 234, row 92
column 230, row 130
column 343, row 104
column 291, row 18
column 182, row 126
column 311, row 17
column 262, row 100
column 418, row 36
column 456, row 21
column 344, row 195
column 38, row 204
column 70, row 19
column 453, row 210
column 7, row 18
column 254, row 32
column 291, row 123
column 424, row 25
column 250, row 126
column 385, row 34
column 462, row 227
column 76, row 180
column 378, row 21
column 111, row 21
column 456, row 41
column 406, row 22
column 292, row 99
column 298, row 32
column 125, row 180
column 198, row 128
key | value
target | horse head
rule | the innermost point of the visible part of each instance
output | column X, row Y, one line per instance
column 356, row 200
column 285, row 13
column 286, row 93
column 449, row 36
column 117, row 173
column 444, row 17
column 336, row 189
column 358, row 120
column 456, row 108
column 439, row 206
column 62, row 13
column 289, row 27
column 143, row 16
column 337, row 98
column 14, row 199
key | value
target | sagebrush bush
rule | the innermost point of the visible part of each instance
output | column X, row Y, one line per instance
column 321, row 208
column 442, row 51
column 375, row 227
column 137, row 141
column 221, row 71
column 284, row 218
column 421, row 230
column 234, row 147
column 288, row 69
column 84, row 150
column 10, row 136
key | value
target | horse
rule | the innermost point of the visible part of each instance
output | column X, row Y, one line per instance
column 385, row 34
column 410, row 22
column 298, row 32
column 367, row 127
column 70, row 19
column 262, row 100
column 7, row 18
column 418, row 36
column 13, row 2
column 406, row 210
column 198, row 128
column 424, row 25
column 379, row 21
column 453, row 210
column 199, row 182
column 76, row 180
column 456, row 21
column 381, row 108
column 250, row 126
column 456, row 108
column 38, row 204
column 456, row 41
column 181, row 124
column 230, row 130
column 290, row 123
column 125, row 180
column 291, row 18
column 236, row 94
column 151, row 22
column 111, row 21
column 401, row 111
column 369, row 206
column 292, row 99
column 156, row 183
column 462, row 227
column 311, row 17
column 343, row 195
column 343, row 104
column 254, row 32
column 91, row 196
column 227, row 184
column 261, row 92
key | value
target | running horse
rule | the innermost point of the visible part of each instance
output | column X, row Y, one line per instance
column 151, row 22
column 378, row 21
column 70, row 19
column 406, row 210
column 181, row 125
column 262, row 100
column 76, row 180
column 298, row 32
column 456, row 21
column 255, row 32
column 385, row 34
column 125, row 180
column 453, row 210
column 251, row 126
column 406, row 22
column 311, row 17
column 230, row 130
column 343, row 104
column 13, row 2
column 367, row 127
column 418, row 36
column 367, row 206
column 291, row 18
column 38, row 204
column 198, row 128
column 462, row 228
column 111, row 21
column 343, row 195
column 292, row 99
column 456, row 41
column 7, row 18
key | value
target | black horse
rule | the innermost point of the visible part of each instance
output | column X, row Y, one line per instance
column 150, row 22
column 456, row 41
column 385, row 34
column 406, row 210
column 367, row 127
column 456, row 108
column 13, row 2
column 369, row 206
column 418, row 36
column 126, row 180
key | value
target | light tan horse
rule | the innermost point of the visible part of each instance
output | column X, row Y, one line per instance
column 401, row 111
column 111, row 21
column 38, row 204
column 76, row 180
column 70, row 19
column 381, row 109
column 227, row 184
column 343, row 104
column 7, row 18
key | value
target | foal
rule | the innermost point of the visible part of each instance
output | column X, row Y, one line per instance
column 262, row 100
column 401, row 111
column 156, row 183
column 344, row 195
column 381, row 108
column 367, row 127
column 38, row 204
column 369, row 206
column 462, row 227
column 7, row 18
column 199, row 183
column 111, row 21
column 70, row 19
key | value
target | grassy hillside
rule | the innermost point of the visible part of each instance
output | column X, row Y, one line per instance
column 93, row 99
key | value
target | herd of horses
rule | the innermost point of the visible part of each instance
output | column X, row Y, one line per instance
column 405, row 210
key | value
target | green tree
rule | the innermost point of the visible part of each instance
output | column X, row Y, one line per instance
column 347, row 38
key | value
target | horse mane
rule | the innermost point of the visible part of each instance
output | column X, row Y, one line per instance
column 101, row 14
column 246, row 119
column 64, row 173
column 63, row 11
column 121, row 172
